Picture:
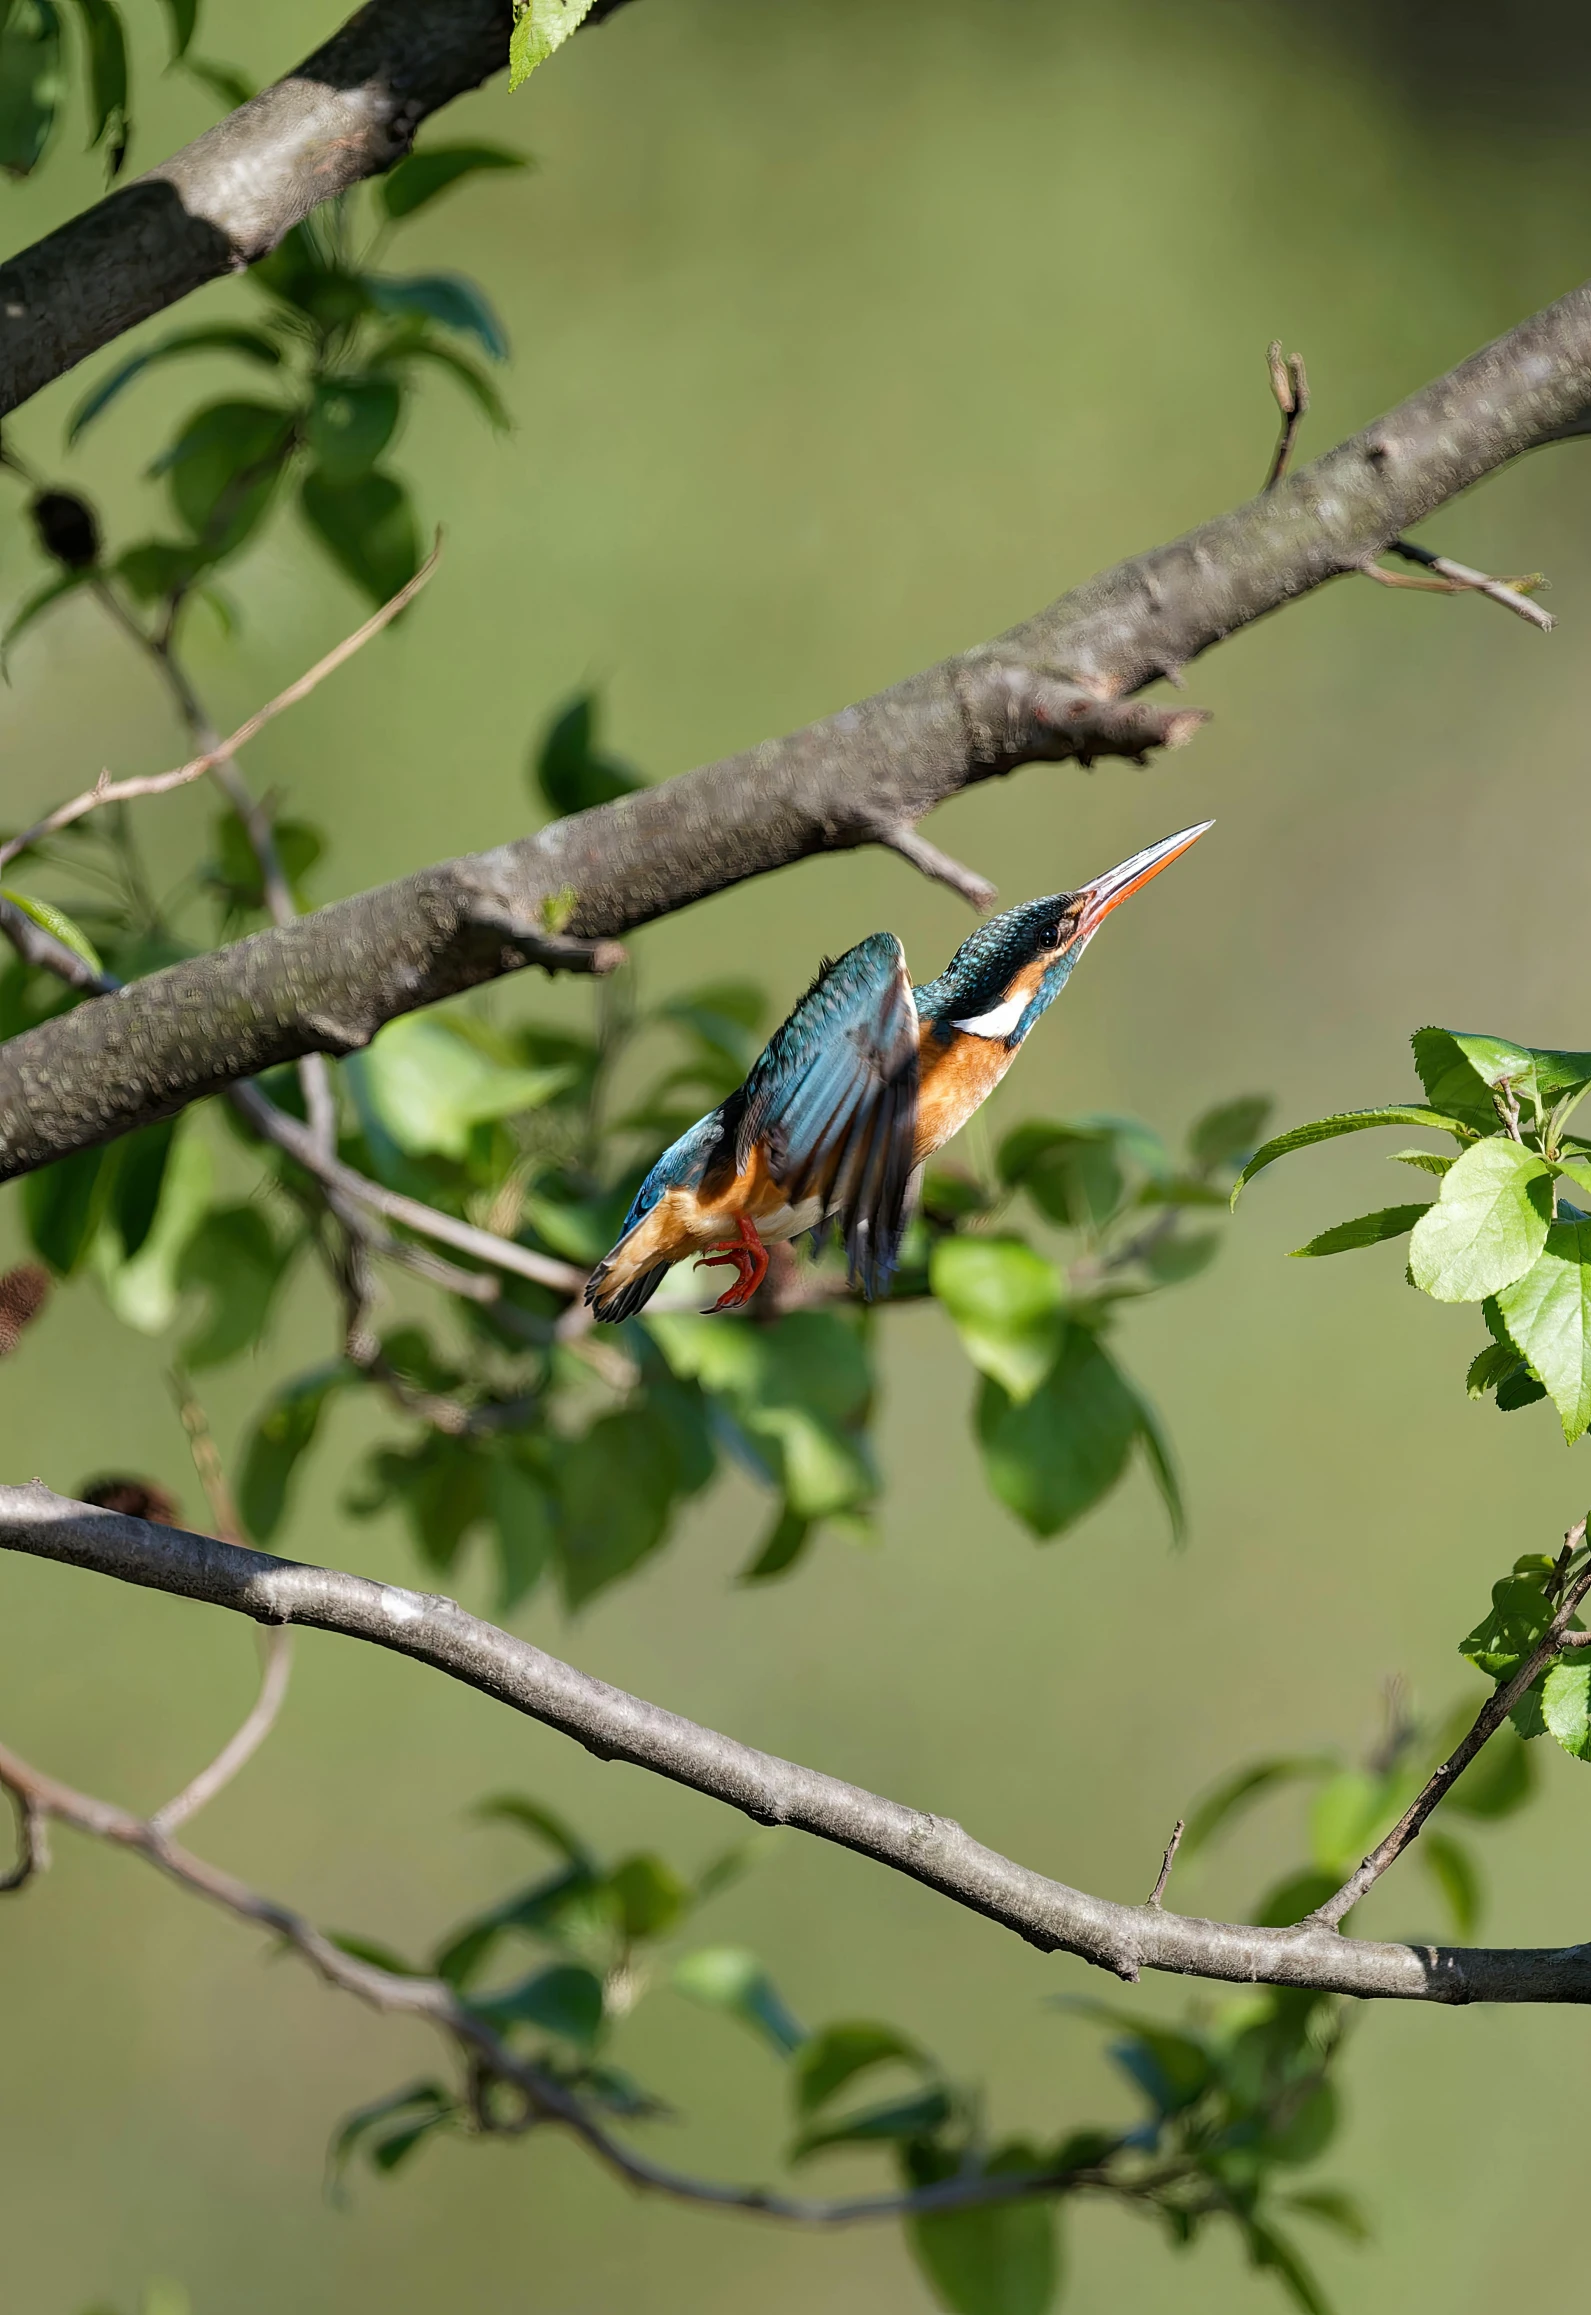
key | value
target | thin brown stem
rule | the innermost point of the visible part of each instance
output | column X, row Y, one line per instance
column 1450, row 578
column 1290, row 385
column 1167, row 1861
column 206, row 1457
column 1441, row 1780
column 276, row 1665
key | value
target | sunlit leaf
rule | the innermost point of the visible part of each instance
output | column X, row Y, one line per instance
column 430, row 1086
column 650, row 1897
column 1548, row 1316
column 1487, row 1225
column 59, row 925
column 1566, row 1706
column 1367, row 1230
column 1005, row 1301
column 540, row 26
column 144, row 1291
column 1349, row 1121
column 1489, row 1367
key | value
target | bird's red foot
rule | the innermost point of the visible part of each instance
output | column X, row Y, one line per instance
column 746, row 1254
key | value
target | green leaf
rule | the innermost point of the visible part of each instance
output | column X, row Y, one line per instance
column 1238, row 1792
column 1489, row 1367
column 234, row 872
column 1517, row 1390
column 1070, row 1172
column 106, row 44
column 281, row 1438
column 448, row 298
column 184, row 16
column 234, row 88
column 32, row 83
column 1460, row 1072
column 1004, row 2259
column 571, row 771
column 472, row 378
column 780, row 1548
column 1349, row 1121
column 1005, row 1301
column 1173, row 1261
column 1295, row 1898
column 1367, row 1230
column 223, row 469
column 139, row 1181
column 724, row 1977
column 155, row 568
column 1273, row 2254
column 62, row 1205
column 918, row 2116
column 1566, row 1707
column 429, row 1087
column 1454, row 1871
column 565, row 2000
column 422, row 176
column 540, row 26
column 1228, row 1134
column 367, row 526
column 1054, row 1456
column 56, row 921
column 235, row 1256
column 1332, row 2207
column 797, row 1394
column 143, row 1289
column 1162, row 1466
column 390, row 2128
column 524, row 1527
column 1428, row 1161
column 33, row 607
column 1487, row 1225
column 351, row 421
column 649, row 1896
column 1548, row 1316
column 542, row 1823
column 1499, row 1780
column 1520, row 1613
column 839, row 2053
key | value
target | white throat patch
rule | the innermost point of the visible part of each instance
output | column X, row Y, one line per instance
column 1002, row 1020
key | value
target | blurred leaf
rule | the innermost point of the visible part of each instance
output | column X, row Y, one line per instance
column 650, row 1896
column 234, row 869
column 1069, row 1171
column 1238, row 1792
column 32, row 607
column 367, row 526
column 1488, row 1223
column 351, row 421
column 544, row 1824
column 56, row 921
column 1273, row 2254
column 830, row 2059
column 1566, row 1707
column 723, row 1977
column 422, row 176
column 282, row 1436
column 1453, row 1869
column 540, row 26
column 1333, row 2207
column 430, row 1087
column 1349, row 1121
column 1228, row 1134
column 440, row 1484
column 184, row 16
column 1056, row 1455
column 571, row 771
column 616, row 1489
column 1296, row 1897
column 448, row 298
column 1548, row 1316
column 1162, row 1466
column 565, row 2000
column 158, row 567
column 143, row 1290
column 233, row 1254
column 106, row 46
column 1366, row 1230
column 525, row 1529
column 139, row 1180
column 1347, row 1815
column 1005, row 1301
column 234, row 88
column 1001, row 2260
column 32, row 82
column 780, row 1548
column 473, row 379
column 223, row 468
column 1499, row 1780
column 918, row 2116
column 390, row 2128
column 1173, row 1261
column 62, row 1204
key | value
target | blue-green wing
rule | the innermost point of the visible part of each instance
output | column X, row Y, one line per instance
column 833, row 1102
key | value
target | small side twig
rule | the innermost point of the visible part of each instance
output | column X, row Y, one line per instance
column 1166, row 1863
column 33, row 1841
column 276, row 1664
column 940, row 865
column 1450, row 578
column 1290, row 385
column 1441, row 1780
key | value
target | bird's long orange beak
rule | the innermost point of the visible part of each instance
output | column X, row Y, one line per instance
column 1118, row 884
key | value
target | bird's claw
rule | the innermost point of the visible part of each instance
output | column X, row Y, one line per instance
column 747, row 1256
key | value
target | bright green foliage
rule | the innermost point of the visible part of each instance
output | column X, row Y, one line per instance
column 540, row 26
column 1487, row 1226
column 32, row 82
column 1368, row 1230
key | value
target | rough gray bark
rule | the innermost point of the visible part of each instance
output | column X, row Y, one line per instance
column 615, row 1726
column 1051, row 688
column 347, row 112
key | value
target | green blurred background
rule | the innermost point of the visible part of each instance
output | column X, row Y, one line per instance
column 845, row 336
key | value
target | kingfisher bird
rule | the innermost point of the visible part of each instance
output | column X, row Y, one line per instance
column 858, row 1088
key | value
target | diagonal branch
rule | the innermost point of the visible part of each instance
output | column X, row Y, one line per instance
column 348, row 112
column 615, row 1726
column 1054, row 689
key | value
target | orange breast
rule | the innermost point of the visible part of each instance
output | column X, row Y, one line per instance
column 956, row 1076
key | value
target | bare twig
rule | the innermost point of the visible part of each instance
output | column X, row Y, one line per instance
column 33, row 1842
column 109, row 791
column 1450, row 578
column 1441, row 1780
column 1290, row 385
column 940, row 866
column 276, row 1665
column 1167, row 1861
column 930, row 1850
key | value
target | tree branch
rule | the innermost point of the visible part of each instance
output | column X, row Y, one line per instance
column 1053, row 689
column 348, row 112
column 615, row 1726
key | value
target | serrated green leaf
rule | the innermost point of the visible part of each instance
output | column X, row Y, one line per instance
column 1520, row 1613
column 1489, row 1367
column 1005, row 1301
column 1461, row 1071
column 1349, row 1121
column 1548, row 1314
column 1566, row 1707
column 1487, row 1225
column 1429, row 1161
column 1366, row 1230
column 421, row 177
column 540, row 26
column 1003, row 2259
column 724, row 1977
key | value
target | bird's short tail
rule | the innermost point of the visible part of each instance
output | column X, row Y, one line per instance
column 613, row 1303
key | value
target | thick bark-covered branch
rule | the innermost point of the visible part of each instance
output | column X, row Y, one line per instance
column 347, row 112
column 1125, row 1939
column 1052, row 689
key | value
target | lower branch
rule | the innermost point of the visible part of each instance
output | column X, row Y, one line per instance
column 615, row 1726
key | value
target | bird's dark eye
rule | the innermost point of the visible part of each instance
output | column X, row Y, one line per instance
column 1052, row 939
